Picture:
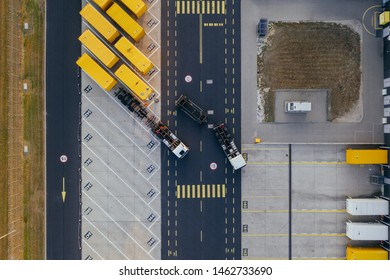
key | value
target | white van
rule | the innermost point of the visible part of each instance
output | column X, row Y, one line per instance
column 297, row 106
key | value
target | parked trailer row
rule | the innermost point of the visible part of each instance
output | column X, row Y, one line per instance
column 96, row 72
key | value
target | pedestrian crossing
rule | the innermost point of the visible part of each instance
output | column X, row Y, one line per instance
column 197, row 7
column 201, row 191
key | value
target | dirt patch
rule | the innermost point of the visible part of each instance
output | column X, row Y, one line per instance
column 310, row 55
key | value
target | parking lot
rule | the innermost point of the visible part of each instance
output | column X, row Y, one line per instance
column 121, row 165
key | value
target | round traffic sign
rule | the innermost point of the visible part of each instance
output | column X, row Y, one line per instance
column 188, row 79
column 63, row 158
column 213, row 166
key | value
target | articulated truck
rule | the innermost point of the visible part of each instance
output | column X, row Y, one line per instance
column 229, row 147
column 158, row 128
column 224, row 138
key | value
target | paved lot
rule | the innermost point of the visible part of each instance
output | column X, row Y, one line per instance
column 321, row 181
column 319, row 106
column 121, row 216
column 370, row 130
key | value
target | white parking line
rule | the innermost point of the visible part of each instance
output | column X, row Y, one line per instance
column 125, row 110
column 118, row 175
column 152, row 161
column 120, row 227
column 152, row 210
column 92, row 249
column 105, row 237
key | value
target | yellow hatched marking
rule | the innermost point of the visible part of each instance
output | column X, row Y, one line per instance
column 203, row 191
column 193, row 7
column 218, row 190
column 198, row 7
column 223, row 7
column 188, row 191
column 198, row 193
column 223, row 191
column 218, row 8
column 208, row 190
column 193, row 191
column 208, row 7
column 183, row 7
column 213, row 190
column 178, row 192
column 177, row 7
column 183, row 192
column 203, row 7
column 213, row 7
column 188, row 7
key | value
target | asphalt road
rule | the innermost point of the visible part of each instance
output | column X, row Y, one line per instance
column 62, row 122
column 201, row 228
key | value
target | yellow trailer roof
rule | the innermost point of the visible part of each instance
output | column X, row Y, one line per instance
column 100, row 50
column 125, row 21
column 362, row 253
column 133, row 82
column 384, row 18
column 97, row 20
column 137, row 7
column 134, row 55
column 375, row 156
column 103, row 4
column 96, row 72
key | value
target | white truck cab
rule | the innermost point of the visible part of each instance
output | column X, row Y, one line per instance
column 297, row 106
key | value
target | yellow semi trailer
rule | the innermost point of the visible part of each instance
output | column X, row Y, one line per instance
column 137, row 7
column 126, row 22
column 100, row 50
column 142, row 91
column 99, row 22
column 103, row 4
column 134, row 55
column 365, row 253
column 374, row 156
column 96, row 72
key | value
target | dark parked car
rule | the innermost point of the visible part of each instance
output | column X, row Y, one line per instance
column 262, row 27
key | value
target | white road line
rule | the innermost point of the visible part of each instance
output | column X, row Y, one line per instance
column 128, row 113
column 121, row 228
column 92, row 249
column 118, row 175
column 105, row 237
column 121, row 155
column 150, row 208
column 86, row 121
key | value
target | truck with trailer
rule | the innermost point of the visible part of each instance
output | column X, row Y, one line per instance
column 166, row 136
column 137, row 7
column 369, row 156
column 191, row 109
column 229, row 147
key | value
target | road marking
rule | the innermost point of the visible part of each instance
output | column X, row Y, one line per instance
column 201, row 37
column 119, row 176
column 198, row 7
column 198, row 192
column 188, row 7
column 201, row 176
column 177, row 8
column 183, row 191
column 183, row 7
column 193, row 7
column 105, row 237
column 218, row 7
column 92, row 249
column 223, row 11
column 193, row 191
column 203, row 7
column 364, row 15
column 201, row 205
column 203, row 191
column 122, row 156
column 178, row 191
column 208, row 190
column 298, row 163
column 110, row 193
column 120, row 227
column 201, row 236
column 218, row 190
column 224, row 191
